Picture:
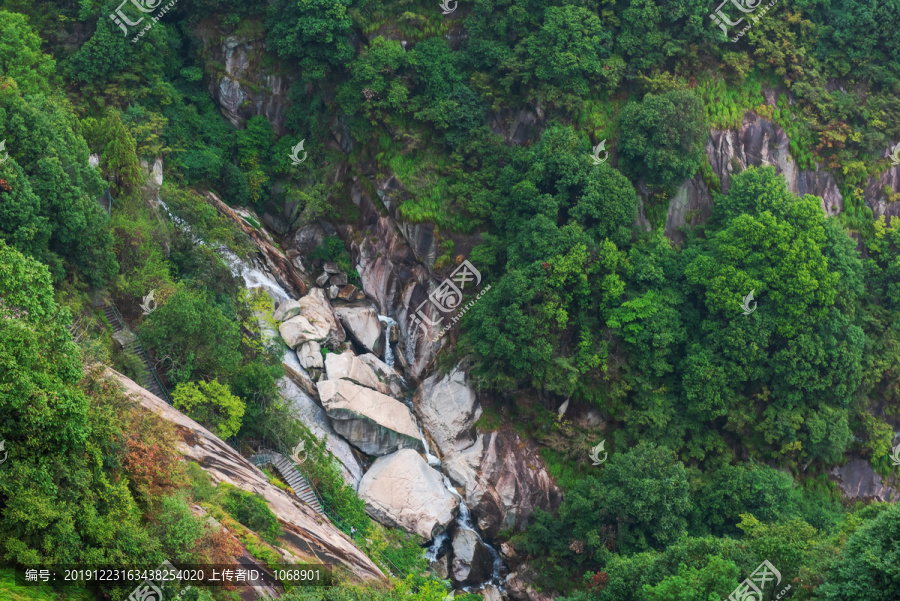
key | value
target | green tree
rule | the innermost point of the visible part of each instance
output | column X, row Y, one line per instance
column 661, row 139
column 317, row 32
column 21, row 58
column 120, row 154
column 211, row 404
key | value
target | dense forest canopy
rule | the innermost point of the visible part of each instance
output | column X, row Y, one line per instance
column 723, row 426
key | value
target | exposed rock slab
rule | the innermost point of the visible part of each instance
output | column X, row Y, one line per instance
column 373, row 422
column 448, row 409
column 314, row 539
column 361, row 322
column 286, row 310
column 316, row 321
column 385, row 373
column 347, row 366
column 310, row 355
column 504, row 479
column 879, row 187
column 403, row 491
column 859, row 482
column 472, row 561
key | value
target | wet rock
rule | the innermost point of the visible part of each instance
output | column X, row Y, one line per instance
column 859, row 482
column 402, row 491
column 361, row 322
column 441, row 567
column 310, row 355
column 505, row 480
column 472, row 560
column 347, row 366
column 373, row 422
column 322, row 280
column 447, row 408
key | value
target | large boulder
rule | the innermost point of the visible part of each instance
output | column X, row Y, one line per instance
column 859, row 482
column 347, row 366
column 316, row 321
column 447, row 408
column 310, row 355
column 505, row 480
column 373, row 422
column 386, row 374
column 286, row 310
column 402, row 491
column 361, row 321
column 472, row 560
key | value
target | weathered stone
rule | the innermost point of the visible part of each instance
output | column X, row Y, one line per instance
column 310, row 355
column 333, row 292
column 361, row 322
column 286, row 310
column 441, row 567
column 307, row 239
column 520, row 589
column 386, row 374
column 859, row 482
column 275, row 223
column 318, row 312
column 347, row 366
column 447, row 408
column 297, row 331
column 472, row 560
column 504, row 479
column 373, row 422
column 322, row 280
column 306, row 534
column 491, row 593
column 331, row 267
column 402, row 491
column 338, row 279
column 348, row 292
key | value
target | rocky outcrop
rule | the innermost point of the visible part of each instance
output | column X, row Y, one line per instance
column 273, row 259
column 374, row 423
column 447, row 408
column 308, row 536
column 309, row 354
column 286, row 310
column 859, row 482
column 691, row 205
column 316, row 321
column 385, row 373
column 518, row 126
column 504, row 479
column 239, row 85
column 880, row 189
column 403, row 491
column 347, row 366
column 153, row 179
column 305, row 410
column 361, row 322
column 472, row 561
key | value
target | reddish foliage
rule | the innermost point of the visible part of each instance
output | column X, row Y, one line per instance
column 599, row 581
column 150, row 466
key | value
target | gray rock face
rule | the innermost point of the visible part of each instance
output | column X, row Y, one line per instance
column 518, row 126
column 306, row 535
column 245, row 90
column 316, row 321
column 447, row 408
column 374, row 423
column 307, row 239
column 472, row 561
column 347, row 366
column 691, row 205
column 310, row 355
column 361, row 322
column 385, row 373
column 286, row 310
column 877, row 187
column 504, row 479
column 402, row 491
column 859, row 482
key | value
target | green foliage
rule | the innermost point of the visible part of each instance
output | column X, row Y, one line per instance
column 211, row 404
column 252, row 511
column 21, row 58
column 662, row 138
column 313, row 32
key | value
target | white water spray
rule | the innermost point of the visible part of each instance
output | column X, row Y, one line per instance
column 387, row 322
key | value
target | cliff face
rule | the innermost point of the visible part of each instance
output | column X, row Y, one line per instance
column 311, row 537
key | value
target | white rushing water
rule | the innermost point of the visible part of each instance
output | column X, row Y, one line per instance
column 387, row 322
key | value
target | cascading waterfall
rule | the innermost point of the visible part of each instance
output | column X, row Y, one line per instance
column 387, row 322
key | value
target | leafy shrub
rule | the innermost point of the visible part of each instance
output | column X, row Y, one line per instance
column 211, row 404
column 252, row 511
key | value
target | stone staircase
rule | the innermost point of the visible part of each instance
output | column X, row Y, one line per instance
column 149, row 379
column 295, row 479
